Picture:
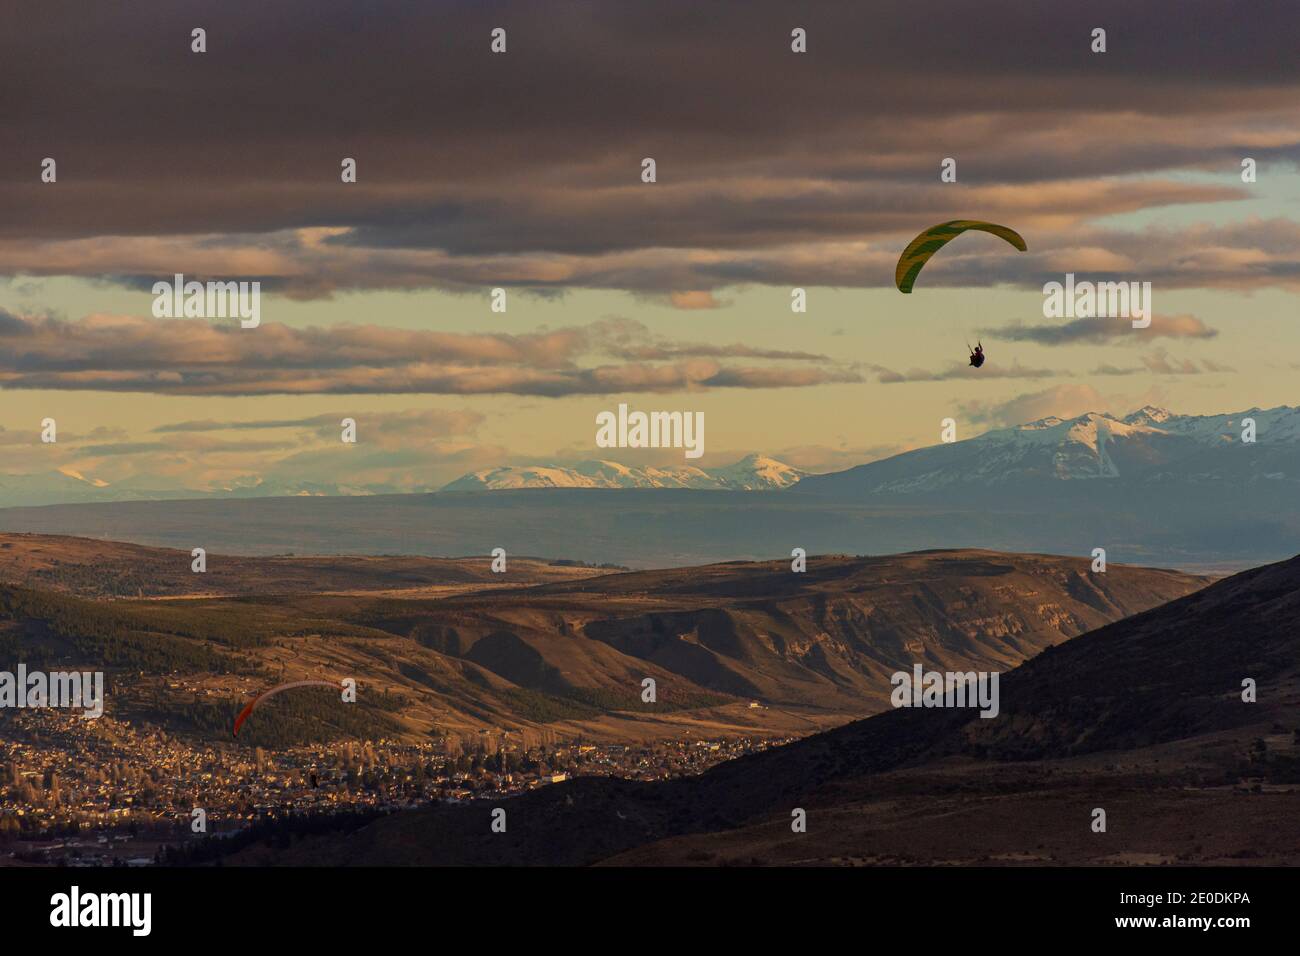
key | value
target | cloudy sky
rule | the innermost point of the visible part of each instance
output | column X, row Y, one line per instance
column 522, row 171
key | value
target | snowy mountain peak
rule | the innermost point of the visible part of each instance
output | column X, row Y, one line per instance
column 756, row 472
column 1151, row 446
column 752, row 473
column 1149, row 415
column 1085, row 446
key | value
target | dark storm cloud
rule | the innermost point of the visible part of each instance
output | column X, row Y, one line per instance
column 535, row 153
column 1160, row 362
column 194, row 357
column 1099, row 331
column 391, row 428
column 11, row 326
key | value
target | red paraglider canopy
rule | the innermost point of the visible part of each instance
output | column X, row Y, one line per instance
column 252, row 705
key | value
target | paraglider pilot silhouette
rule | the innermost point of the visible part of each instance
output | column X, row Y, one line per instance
column 920, row 249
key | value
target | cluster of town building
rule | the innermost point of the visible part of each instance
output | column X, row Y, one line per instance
column 80, row 791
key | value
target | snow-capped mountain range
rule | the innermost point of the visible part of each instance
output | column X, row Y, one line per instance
column 751, row 473
column 1150, row 487
column 1151, row 445
column 1050, row 459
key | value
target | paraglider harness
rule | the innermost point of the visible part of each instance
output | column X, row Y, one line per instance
column 977, row 355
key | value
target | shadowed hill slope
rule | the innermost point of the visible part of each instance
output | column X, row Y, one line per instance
column 828, row 637
column 1145, row 713
column 493, row 652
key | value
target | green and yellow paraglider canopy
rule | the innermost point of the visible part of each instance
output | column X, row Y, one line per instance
column 920, row 249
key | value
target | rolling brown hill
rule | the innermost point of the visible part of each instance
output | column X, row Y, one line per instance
column 827, row 638
column 452, row 648
column 90, row 567
column 1143, row 718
